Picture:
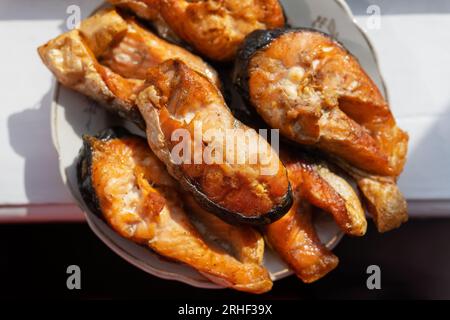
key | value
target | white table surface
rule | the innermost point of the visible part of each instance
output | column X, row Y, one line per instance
column 413, row 45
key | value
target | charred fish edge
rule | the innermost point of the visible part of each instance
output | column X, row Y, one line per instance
column 259, row 40
column 84, row 167
column 235, row 218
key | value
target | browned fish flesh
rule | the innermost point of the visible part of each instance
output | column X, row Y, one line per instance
column 215, row 28
column 316, row 181
column 121, row 180
column 239, row 182
column 310, row 87
column 243, row 242
column 106, row 59
column 295, row 240
column 382, row 198
column 316, row 184
column 145, row 9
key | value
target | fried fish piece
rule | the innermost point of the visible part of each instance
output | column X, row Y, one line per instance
column 121, row 180
column 295, row 240
column 215, row 28
column 382, row 198
column 150, row 11
column 314, row 180
column 315, row 184
column 384, row 201
column 310, row 87
column 328, row 188
column 106, row 59
column 230, row 169
column 140, row 49
column 74, row 65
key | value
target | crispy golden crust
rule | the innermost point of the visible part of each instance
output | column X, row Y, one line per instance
column 295, row 240
column 146, row 9
column 384, row 202
column 177, row 97
column 382, row 198
column 141, row 202
column 140, row 49
column 217, row 27
column 104, row 59
column 103, row 29
column 149, row 10
column 126, row 188
column 293, row 237
column 315, row 92
column 314, row 181
column 243, row 242
column 75, row 66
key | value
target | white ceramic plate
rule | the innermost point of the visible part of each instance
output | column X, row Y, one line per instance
column 74, row 115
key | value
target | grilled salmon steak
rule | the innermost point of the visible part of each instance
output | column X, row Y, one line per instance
column 121, row 180
column 106, row 59
column 311, row 88
column 230, row 169
column 215, row 28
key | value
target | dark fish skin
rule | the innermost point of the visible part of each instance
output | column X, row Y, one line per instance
column 236, row 218
column 84, row 167
column 255, row 41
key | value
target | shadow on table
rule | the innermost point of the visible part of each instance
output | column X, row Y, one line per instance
column 25, row 129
